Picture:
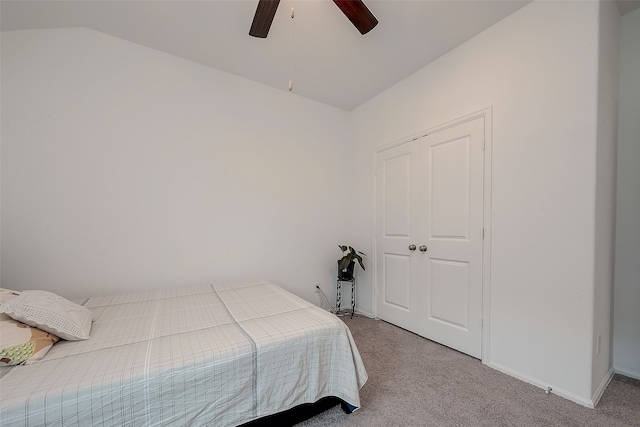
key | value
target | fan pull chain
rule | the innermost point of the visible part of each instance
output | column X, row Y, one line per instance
column 291, row 50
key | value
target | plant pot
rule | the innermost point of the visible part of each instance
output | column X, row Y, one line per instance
column 347, row 273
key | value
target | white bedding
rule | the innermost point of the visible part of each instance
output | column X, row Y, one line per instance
column 218, row 355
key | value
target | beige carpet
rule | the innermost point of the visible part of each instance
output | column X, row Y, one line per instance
column 416, row 382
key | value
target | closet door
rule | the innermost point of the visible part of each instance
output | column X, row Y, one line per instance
column 397, row 269
column 451, row 289
column 429, row 231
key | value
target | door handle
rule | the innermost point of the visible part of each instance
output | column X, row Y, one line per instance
column 412, row 247
column 423, row 248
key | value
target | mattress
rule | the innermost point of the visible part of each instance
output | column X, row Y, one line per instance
column 216, row 355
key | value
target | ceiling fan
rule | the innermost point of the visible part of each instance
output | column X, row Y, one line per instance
column 359, row 15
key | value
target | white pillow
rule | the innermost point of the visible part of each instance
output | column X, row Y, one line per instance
column 7, row 295
column 52, row 313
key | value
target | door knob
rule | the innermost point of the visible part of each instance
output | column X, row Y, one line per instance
column 423, row 248
column 412, row 247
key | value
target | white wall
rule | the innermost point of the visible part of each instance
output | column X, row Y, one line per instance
column 0, row 164
column 626, row 333
column 607, row 127
column 124, row 168
column 538, row 69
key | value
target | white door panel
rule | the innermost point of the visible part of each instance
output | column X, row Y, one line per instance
column 448, row 206
column 449, row 292
column 397, row 279
column 396, row 173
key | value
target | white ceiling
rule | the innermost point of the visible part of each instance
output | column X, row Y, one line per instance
column 330, row 61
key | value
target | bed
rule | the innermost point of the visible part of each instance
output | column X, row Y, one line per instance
column 218, row 355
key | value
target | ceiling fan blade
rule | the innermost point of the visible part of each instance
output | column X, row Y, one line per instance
column 263, row 18
column 359, row 15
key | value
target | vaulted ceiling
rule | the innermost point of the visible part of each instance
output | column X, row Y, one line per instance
column 327, row 58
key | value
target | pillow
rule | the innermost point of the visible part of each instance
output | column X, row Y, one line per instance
column 21, row 344
column 51, row 313
column 7, row 295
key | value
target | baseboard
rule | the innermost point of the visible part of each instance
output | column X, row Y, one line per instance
column 544, row 386
column 602, row 387
column 627, row 373
column 364, row 313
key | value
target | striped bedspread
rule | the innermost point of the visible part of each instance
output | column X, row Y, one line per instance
column 218, row 355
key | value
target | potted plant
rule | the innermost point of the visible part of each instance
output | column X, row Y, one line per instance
column 346, row 264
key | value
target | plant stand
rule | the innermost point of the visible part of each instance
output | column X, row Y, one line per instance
column 339, row 295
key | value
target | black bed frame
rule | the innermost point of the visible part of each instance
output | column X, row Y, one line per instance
column 298, row 414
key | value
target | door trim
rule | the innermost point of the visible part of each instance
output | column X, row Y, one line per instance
column 487, row 114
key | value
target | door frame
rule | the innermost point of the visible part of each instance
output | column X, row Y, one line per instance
column 487, row 114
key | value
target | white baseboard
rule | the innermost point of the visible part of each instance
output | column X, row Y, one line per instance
column 544, row 386
column 602, row 387
column 627, row 373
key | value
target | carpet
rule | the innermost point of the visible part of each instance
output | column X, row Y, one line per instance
column 417, row 382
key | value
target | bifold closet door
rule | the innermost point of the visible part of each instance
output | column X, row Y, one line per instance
column 429, row 231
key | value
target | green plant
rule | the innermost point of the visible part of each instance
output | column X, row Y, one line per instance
column 349, row 254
